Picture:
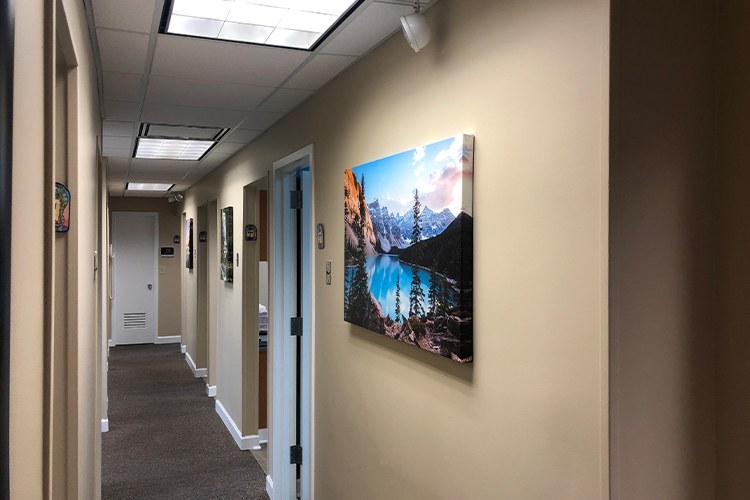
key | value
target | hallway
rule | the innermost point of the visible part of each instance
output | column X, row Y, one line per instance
column 165, row 440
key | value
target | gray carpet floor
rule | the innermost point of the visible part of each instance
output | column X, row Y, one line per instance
column 165, row 439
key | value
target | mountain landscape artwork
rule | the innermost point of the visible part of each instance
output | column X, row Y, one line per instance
column 408, row 247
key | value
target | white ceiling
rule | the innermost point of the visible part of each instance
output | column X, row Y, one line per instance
column 148, row 77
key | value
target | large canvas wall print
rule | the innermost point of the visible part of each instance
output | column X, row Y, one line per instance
column 408, row 247
column 227, row 245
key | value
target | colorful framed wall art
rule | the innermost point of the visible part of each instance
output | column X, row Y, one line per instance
column 227, row 245
column 189, row 243
column 62, row 208
column 408, row 247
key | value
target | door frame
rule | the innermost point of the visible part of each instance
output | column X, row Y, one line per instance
column 7, row 23
column 115, row 217
column 280, row 485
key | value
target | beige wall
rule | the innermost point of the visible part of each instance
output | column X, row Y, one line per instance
column 733, row 368
column 27, row 421
column 170, row 283
column 33, row 258
column 528, row 419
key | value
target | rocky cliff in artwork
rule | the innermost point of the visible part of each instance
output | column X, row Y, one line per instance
column 355, row 207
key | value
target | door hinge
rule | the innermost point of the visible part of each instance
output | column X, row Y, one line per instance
column 296, row 327
column 295, row 200
column 295, row 455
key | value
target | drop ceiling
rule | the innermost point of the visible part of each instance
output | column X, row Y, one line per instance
column 155, row 78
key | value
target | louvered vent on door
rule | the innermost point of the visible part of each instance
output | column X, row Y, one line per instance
column 134, row 321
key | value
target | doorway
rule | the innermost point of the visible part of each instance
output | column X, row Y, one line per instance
column 292, row 333
column 255, row 308
column 135, row 283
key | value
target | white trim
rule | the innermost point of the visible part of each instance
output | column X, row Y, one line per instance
column 183, row 349
column 112, row 343
column 172, row 339
column 282, row 348
column 197, row 372
column 105, row 425
column 210, row 390
column 263, row 435
column 243, row 442
column 269, row 486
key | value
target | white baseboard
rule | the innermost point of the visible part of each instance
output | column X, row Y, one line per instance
column 105, row 425
column 112, row 343
column 269, row 486
column 263, row 435
column 197, row 372
column 211, row 390
column 172, row 339
column 183, row 348
column 243, row 442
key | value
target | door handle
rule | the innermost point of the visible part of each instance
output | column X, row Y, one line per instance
column 150, row 286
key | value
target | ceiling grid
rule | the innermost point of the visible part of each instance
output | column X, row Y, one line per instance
column 150, row 77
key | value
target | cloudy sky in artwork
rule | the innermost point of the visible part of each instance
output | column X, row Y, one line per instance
column 436, row 170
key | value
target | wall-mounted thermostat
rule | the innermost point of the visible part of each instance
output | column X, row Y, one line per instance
column 167, row 251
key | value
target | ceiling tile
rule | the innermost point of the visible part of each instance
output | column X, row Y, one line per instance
column 212, row 161
column 284, row 100
column 200, row 59
column 261, row 121
column 162, row 173
column 122, row 86
column 117, row 169
column 318, row 71
column 372, row 26
column 122, row 51
column 122, row 111
column 133, row 15
column 242, row 136
column 116, row 186
column 117, row 129
column 185, row 92
column 117, row 152
column 169, row 114
column 228, row 147
column 109, row 142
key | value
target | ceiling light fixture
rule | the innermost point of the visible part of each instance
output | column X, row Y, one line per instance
column 148, row 186
column 280, row 23
column 416, row 30
column 174, row 142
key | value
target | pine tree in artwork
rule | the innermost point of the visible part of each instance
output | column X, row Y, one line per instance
column 398, row 299
column 434, row 292
column 416, row 295
column 416, row 232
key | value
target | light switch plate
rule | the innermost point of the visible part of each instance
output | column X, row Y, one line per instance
column 328, row 272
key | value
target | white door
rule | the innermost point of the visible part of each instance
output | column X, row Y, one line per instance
column 134, row 310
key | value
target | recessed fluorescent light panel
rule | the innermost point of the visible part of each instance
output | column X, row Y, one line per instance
column 148, row 186
column 297, row 24
column 170, row 142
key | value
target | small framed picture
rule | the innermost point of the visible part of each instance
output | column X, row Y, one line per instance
column 203, row 236
column 62, row 208
column 320, row 236
column 251, row 232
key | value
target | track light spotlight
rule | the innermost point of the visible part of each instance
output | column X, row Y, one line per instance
column 176, row 196
column 416, row 30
